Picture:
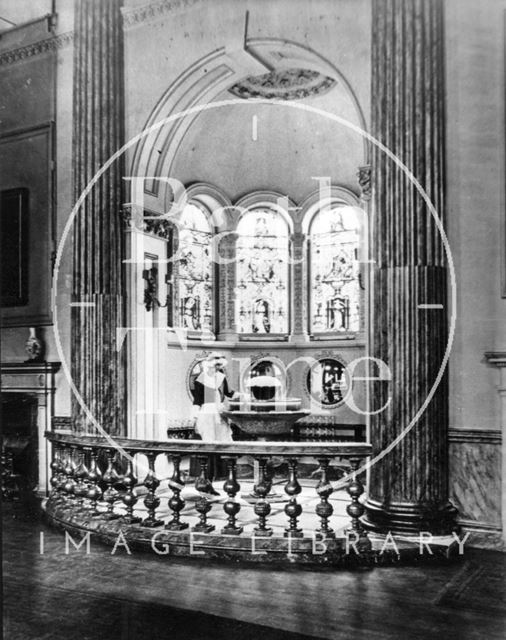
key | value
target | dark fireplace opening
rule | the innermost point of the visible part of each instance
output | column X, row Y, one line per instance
column 19, row 444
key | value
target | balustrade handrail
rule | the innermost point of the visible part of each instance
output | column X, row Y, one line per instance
column 255, row 448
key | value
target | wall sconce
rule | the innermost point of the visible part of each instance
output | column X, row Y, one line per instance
column 150, row 277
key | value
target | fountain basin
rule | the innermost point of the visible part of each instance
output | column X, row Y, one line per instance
column 264, row 423
column 287, row 405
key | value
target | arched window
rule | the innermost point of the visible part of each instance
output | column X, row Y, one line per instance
column 193, row 271
column 335, row 276
column 262, row 302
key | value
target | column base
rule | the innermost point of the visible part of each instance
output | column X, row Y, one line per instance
column 410, row 518
column 228, row 336
column 299, row 338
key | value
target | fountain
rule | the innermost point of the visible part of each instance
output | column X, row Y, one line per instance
column 262, row 413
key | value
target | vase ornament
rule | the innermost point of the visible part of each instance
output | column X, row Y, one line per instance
column 34, row 347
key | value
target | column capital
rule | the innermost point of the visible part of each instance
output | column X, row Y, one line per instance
column 364, row 175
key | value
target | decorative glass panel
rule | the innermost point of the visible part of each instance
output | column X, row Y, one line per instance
column 194, row 271
column 262, row 273
column 328, row 382
column 335, row 282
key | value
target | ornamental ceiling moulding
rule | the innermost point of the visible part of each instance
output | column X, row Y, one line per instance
column 155, row 10
column 36, row 48
column 285, row 84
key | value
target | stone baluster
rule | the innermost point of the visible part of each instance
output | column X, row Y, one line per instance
column 356, row 509
column 62, row 477
column 129, row 498
column 69, row 470
column 231, row 506
column 94, row 493
column 176, row 503
column 151, row 501
column 324, row 509
column 57, row 477
column 80, row 475
column 53, row 481
column 202, row 482
column 203, row 506
column 293, row 508
column 262, row 507
column 110, row 478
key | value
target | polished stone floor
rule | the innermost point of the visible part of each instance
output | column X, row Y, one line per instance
column 143, row 596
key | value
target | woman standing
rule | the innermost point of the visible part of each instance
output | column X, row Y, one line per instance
column 211, row 388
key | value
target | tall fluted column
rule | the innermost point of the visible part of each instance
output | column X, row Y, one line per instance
column 408, row 489
column 97, row 368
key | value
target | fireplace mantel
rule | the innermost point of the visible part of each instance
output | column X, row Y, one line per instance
column 35, row 379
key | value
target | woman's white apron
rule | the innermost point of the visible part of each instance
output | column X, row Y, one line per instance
column 209, row 424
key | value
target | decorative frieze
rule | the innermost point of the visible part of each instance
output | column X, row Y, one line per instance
column 36, row 48
column 156, row 10
column 131, row 18
column 284, row 84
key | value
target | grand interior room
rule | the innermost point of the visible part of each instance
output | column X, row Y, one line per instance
column 253, row 318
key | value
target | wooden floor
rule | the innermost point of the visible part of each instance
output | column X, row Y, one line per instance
column 100, row 595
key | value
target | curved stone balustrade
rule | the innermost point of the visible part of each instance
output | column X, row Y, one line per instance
column 96, row 490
